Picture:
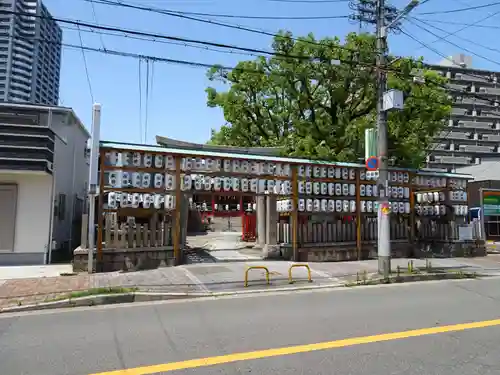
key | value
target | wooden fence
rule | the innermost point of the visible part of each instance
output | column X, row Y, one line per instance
column 155, row 234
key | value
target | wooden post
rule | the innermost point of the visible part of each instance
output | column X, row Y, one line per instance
column 412, row 210
column 177, row 212
column 99, row 265
column 358, row 213
column 295, row 213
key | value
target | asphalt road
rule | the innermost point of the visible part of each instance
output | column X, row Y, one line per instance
column 102, row 339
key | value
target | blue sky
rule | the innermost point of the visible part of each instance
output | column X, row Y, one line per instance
column 177, row 104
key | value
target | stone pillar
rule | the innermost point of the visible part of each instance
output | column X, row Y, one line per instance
column 261, row 221
column 271, row 250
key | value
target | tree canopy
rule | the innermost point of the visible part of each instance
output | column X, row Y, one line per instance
column 315, row 98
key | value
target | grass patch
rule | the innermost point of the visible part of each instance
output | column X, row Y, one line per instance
column 93, row 292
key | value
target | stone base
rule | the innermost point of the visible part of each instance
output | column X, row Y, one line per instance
column 272, row 252
column 126, row 259
column 341, row 252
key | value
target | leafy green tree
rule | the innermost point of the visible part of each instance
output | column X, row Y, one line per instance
column 315, row 98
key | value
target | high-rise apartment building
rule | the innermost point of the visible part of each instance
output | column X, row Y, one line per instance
column 30, row 53
column 472, row 133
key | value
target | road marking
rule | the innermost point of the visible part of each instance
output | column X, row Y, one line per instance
column 267, row 353
column 195, row 280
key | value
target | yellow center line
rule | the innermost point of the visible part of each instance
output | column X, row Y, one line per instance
column 267, row 353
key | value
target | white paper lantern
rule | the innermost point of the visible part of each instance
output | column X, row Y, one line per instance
column 400, row 177
column 302, row 205
column 186, row 183
column 345, row 173
column 309, row 205
column 301, row 171
column 316, row 171
column 136, row 159
column 278, row 187
column 324, row 205
column 245, row 167
column 135, row 200
column 338, row 189
column 136, row 179
column 324, row 188
column 255, row 168
column 270, row 186
column 147, row 199
column 227, row 165
column 369, row 190
column 362, row 175
column 352, row 206
column 169, row 202
column 352, row 190
column 345, row 190
column 316, row 205
column 401, row 192
column 198, row 183
column 362, row 190
column 254, row 185
column 113, row 158
column 169, row 162
column 112, row 202
column 148, row 160
column 244, row 185
column 323, row 172
column 331, row 205
column 331, row 172
column 352, row 174
column 331, row 188
column 207, row 183
column 236, row 166
column 123, row 199
column 287, row 172
column 363, row 206
column 159, row 161
column 226, row 183
column 169, row 181
column 198, row 164
column 309, row 188
column 146, row 180
column 286, row 187
column 406, row 177
column 158, row 201
column 316, row 188
column 369, row 206
column 338, row 205
column 126, row 159
column 338, row 173
column 158, row 181
column 125, row 183
column 113, row 179
column 301, row 187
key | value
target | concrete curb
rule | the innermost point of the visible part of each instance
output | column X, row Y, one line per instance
column 109, row 299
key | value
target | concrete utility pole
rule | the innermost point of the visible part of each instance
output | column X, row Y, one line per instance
column 93, row 182
column 384, row 236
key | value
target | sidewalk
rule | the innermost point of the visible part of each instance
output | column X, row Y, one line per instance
column 218, row 277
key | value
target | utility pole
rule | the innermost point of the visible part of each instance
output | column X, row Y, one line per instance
column 384, row 17
column 93, row 182
column 384, row 236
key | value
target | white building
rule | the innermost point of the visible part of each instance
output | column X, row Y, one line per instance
column 43, row 179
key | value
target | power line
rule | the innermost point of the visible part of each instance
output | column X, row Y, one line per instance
column 227, row 51
column 463, row 38
column 224, row 15
column 459, row 23
column 183, row 15
column 462, row 9
column 309, row 1
column 94, row 14
column 454, row 33
column 167, row 37
column 86, row 67
column 454, row 44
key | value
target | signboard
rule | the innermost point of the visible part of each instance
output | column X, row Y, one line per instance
column 491, row 202
column 372, row 163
